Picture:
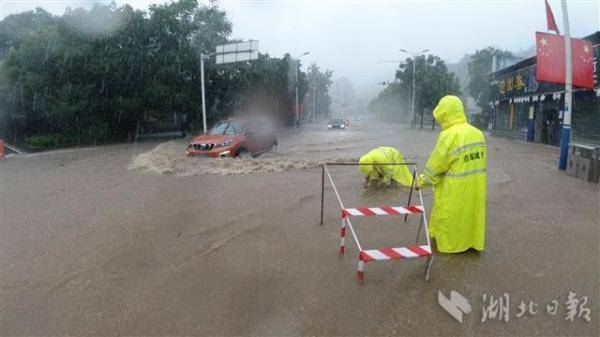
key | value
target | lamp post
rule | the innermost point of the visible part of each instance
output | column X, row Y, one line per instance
column 313, row 103
column 202, row 58
column 412, row 99
column 566, row 129
column 297, row 121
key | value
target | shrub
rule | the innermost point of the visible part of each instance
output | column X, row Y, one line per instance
column 41, row 142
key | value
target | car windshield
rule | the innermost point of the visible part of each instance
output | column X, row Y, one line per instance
column 227, row 128
column 336, row 121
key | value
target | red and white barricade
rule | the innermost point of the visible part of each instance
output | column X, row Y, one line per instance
column 381, row 254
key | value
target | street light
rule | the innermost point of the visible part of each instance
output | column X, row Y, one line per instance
column 412, row 100
column 313, row 102
column 202, row 58
column 566, row 129
column 296, row 80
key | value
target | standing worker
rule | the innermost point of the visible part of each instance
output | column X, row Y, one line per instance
column 457, row 171
column 387, row 175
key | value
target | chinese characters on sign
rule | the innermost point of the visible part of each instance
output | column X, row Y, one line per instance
column 515, row 83
column 498, row 307
column 519, row 83
column 576, row 306
column 495, row 308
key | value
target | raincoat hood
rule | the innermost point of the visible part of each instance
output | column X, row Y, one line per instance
column 365, row 169
column 385, row 155
column 449, row 111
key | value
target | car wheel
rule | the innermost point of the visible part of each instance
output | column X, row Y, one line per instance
column 243, row 153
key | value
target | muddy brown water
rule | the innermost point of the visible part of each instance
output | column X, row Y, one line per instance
column 139, row 239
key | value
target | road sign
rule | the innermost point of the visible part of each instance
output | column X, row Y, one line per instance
column 227, row 53
column 237, row 52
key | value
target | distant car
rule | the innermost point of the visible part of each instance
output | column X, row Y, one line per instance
column 234, row 137
column 336, row 124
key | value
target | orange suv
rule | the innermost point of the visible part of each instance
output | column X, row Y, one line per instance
column 234, row 137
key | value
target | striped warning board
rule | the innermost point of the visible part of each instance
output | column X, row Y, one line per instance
column 395, row 253
column 385, row 210
column 381, row 254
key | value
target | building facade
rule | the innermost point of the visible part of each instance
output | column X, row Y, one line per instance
column 523, row 108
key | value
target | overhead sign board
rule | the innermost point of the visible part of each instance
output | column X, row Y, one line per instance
column 237, row 52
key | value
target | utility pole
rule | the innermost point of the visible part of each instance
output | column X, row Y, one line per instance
column 414, row 75
column 297, row 122
column 313, row 105
column 412, row 92
column 202, row 56
column 296, row 80
column 566, row 129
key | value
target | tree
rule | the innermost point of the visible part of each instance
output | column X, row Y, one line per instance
column 432, row 82
column 16, row 28
column 321, row 82
column 480, row 68
column 391, row 104
column 94, row 75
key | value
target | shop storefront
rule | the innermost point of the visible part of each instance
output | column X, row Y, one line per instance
column 523, row 108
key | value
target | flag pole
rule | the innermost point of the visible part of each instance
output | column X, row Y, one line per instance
column 566, row 129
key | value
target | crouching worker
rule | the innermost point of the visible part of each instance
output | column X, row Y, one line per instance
column 386, row 175
column 457, row 171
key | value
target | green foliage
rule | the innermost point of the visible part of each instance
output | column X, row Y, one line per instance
column 480, row 66
column 392, row 104
column 432, row 82
column 94, row 75
column 44, row 142
column 17, row 28
column 319, row 83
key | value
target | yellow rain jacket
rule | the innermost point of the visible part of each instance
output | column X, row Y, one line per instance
column 385, row 155
column 457, row 171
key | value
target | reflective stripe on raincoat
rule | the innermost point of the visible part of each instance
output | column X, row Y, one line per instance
column 385, row 155
column 457, row 171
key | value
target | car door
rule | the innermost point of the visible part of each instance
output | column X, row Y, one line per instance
column 253, row 134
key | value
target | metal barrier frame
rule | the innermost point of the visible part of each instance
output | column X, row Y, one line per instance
column 346, row 220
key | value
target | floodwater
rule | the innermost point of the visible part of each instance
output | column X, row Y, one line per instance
column 138, row 239
column 306, row 149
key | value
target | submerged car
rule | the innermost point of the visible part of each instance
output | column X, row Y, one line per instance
column 336, row 124
column 234, row 138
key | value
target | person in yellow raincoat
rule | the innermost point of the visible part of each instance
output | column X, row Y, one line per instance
column 385, row 174
column 457, row 171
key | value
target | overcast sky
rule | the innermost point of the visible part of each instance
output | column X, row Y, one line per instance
column 350, row 37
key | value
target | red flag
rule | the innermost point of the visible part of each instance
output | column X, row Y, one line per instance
column 550, row 51
column 550, row 18
column 551, row 60
column 583, row 63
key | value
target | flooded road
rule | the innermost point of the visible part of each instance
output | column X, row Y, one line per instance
column 139, row 239
column 306, row 149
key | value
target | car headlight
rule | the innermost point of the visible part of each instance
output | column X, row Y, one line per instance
column 343, row 126
column 329, row 126
column 225, row 143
